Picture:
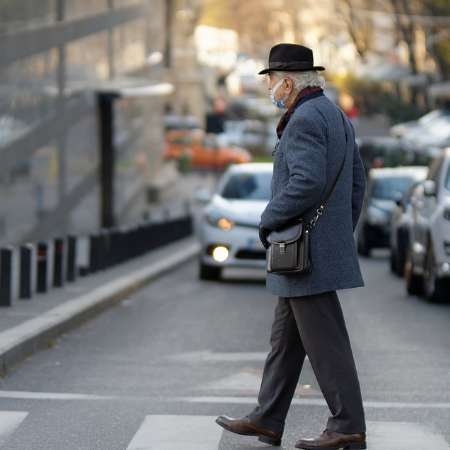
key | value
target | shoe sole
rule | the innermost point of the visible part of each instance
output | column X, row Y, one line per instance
column 355, row 446
column 262, row 438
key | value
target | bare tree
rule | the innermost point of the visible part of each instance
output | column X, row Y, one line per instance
column 360, row 28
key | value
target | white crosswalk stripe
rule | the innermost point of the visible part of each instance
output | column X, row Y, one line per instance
column 403, row 436
column 191, row 432
column 9, row 421
column 172, row 432
column 168, row 432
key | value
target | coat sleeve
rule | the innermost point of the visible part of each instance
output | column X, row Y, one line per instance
column 359, row 185
column 306, row 158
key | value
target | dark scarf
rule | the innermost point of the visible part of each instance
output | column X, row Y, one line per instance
column 287, row 115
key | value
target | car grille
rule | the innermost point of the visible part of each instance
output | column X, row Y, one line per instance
column 250, row 254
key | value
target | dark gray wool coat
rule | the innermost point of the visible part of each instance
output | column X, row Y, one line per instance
column 308, row 158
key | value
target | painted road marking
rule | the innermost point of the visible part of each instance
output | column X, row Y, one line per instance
column 247, row 382
column 157, row 432
column 208, row 355
column 244, row 400
column 311, row 402
column 169, row 432
column 51, row 396
column 403, row 436
column 9, row 421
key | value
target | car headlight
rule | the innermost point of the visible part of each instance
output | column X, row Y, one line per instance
column 377, row 216
column 219, row 221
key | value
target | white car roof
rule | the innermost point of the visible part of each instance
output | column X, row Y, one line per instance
column 400, row 170
column 251, row 167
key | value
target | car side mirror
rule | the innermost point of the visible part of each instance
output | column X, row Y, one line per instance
column 429, row 188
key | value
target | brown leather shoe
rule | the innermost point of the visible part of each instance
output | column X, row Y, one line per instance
column 246, row 427
column 331, row 440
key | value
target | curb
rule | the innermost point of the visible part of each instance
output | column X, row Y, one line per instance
column 35, row 334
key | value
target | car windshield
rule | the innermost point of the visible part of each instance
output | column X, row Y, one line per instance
column 390, row 188
column 248, row 186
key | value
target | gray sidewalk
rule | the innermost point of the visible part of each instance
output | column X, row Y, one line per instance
column 30, row 325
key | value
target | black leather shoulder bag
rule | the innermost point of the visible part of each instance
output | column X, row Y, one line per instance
column 288, row 251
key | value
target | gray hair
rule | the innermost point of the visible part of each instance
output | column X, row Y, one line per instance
column 308, row 78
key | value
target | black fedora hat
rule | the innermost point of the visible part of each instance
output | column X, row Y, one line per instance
column 290, row 57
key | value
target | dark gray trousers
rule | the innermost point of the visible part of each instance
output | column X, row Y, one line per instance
column 310, row 325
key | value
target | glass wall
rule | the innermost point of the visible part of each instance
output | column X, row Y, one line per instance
column 87, row 61
column 75, row 9
column 50, row 184
column 28, row 194
column 17, row 15
column 130, row 45
column 28, row 92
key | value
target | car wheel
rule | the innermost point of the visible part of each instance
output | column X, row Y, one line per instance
column 393, row 261
column 363, row 245
column 414, row 282
column 402, row 245
column 435, row 289
column 400, row 262
column 207, row 272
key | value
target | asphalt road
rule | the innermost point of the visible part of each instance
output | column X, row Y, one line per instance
column 155, row 371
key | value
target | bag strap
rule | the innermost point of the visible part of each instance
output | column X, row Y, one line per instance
column 319, row 210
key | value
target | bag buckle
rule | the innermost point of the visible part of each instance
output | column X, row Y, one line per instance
column 282, row 247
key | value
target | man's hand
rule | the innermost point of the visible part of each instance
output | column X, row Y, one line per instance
column 263, row 233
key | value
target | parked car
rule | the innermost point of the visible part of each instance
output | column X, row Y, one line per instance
column 385, row 187
column 385, row 151
column 228, row 227
column 427, row 267
column 401, row 221
column 176, row 122
column 401, row 129
column 203, row 151
column 430, row 138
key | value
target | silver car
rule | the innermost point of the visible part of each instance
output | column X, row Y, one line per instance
column 427, row 269
column 401, row 222
column 228, row 226
column 385, row 187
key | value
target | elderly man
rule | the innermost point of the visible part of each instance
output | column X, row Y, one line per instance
column 315, row 141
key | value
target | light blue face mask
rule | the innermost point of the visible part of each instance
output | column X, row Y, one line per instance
column 278, row 103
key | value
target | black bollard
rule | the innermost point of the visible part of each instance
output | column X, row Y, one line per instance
column 94, row 253
column 42, row 267
column 58, row 262
column 26, row 271
column 71, row 269
column 83, row 252
column 114, row 234
column 104, row 248
column 6, row 273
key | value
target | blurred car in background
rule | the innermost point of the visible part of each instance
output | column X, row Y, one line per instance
column 427, row 267
column 228, row 227
column 177, row 122
column 429, row 139
column 202, row 150
column 385, row 187
column 401, row 222
column 385, row 151
column 256, row 135
column 401, row 129
column 245, row 107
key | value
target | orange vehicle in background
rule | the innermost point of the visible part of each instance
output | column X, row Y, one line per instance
column 203, row 150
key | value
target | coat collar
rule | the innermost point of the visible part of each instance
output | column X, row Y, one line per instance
column 303, row 96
